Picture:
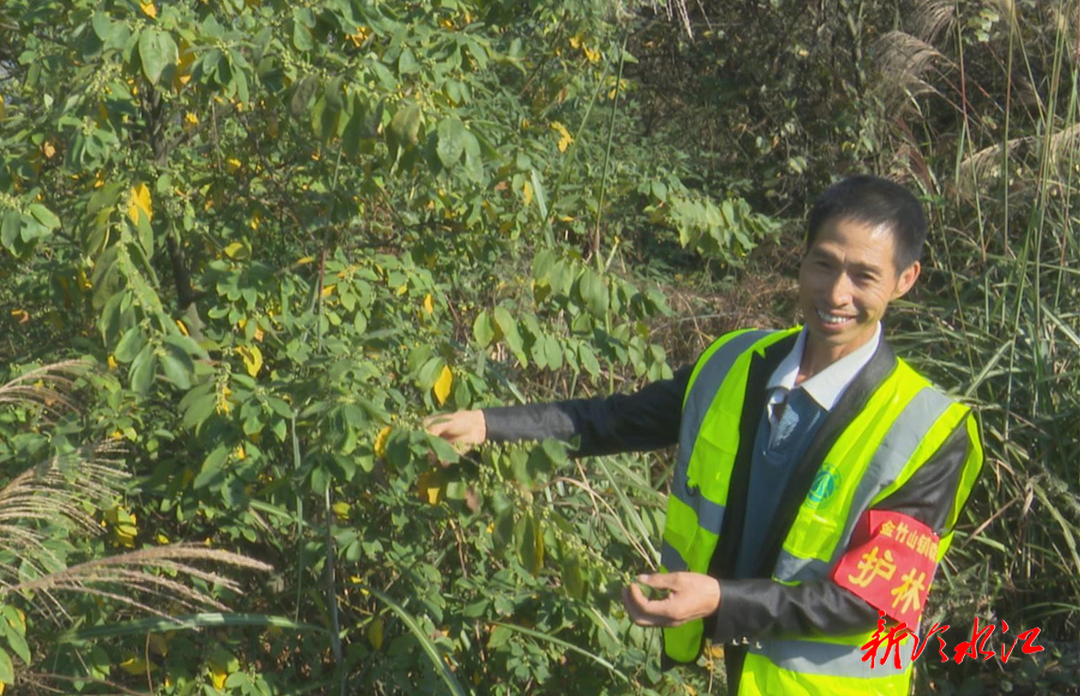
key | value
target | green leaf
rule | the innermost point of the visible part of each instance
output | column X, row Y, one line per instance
column 142, row 370
column 103, row 26
column 510, row 333
column 44, row 215
column 503, row 532
column 483, row 330
column 199, row 410
column 444, row 451
column 133, row 341
column 176, row 371
column 187, row 345
column 9, row 229
column 588, row 359
column 302, row 38
column 572, row 577
column 594, row 292
column 498, row 637
column 7, row 670
column 529, row 542
column 405, row 126
column 302, row 94
column 211, row 467
column 157, row 51
column 451, row 132
column 16, row 640
column 407, row 62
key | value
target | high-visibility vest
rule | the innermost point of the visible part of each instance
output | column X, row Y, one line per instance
column 904, row 421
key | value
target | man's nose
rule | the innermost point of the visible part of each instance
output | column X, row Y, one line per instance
column 840, row 290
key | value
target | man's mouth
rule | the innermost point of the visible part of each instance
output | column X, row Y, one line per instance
column 833, row 319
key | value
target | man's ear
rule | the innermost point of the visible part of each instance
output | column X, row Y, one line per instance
column 907, row 279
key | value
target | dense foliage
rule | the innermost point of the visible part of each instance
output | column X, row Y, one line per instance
column 287, row 232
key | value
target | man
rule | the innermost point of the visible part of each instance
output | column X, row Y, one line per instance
column 818, row 476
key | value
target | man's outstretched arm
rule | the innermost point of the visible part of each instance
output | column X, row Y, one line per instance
column 648, row 419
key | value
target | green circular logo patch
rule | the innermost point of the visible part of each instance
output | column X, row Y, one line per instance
column 825, row 484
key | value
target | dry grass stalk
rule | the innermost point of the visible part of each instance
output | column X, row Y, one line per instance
column 58, row 498
column 905, row 61
column 48, row 386
column 136, row 574
column 932, row 18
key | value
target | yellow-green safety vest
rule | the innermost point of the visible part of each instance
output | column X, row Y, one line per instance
column 903, row 423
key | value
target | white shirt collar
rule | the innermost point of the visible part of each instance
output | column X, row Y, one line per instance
column 827, row 386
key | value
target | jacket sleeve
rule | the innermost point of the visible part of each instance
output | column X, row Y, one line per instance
column 648, row 419
column 762, row 608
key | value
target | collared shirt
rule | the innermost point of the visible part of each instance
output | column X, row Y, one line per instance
column 784, row 435
column 826, row 387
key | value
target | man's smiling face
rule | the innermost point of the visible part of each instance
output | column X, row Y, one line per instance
column 846, row 281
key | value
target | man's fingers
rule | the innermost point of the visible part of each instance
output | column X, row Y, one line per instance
column 644, row 611
column 634, row 602
column 660, row 581
column 437, row 425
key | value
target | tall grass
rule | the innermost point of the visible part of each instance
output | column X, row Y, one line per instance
column 1000, row 311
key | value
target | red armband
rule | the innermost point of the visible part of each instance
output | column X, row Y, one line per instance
column 890, row 564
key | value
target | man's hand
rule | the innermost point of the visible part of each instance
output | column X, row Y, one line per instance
column 689, row 596
column 459, row 428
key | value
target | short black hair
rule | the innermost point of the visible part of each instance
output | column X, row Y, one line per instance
column 874, row 201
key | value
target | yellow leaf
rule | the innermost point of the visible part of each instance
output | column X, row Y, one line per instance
column 443, row 384
column 380, row 442
column 565, row 139
column 527, row 192
column 148, row 9
column 232, row 165
column 375, row 633
column 183, row 329
column 361, row 35
column 305, row 260
column 328, row 290
column 21, row 314
column 236, row 250
column 218, row 675
column 134, row 665
column 253, row 358
column 184, row 62
column 592, row 55
column 162, row 539
column 49, row 149
column 342, row 510
column 402, row 289
column 431, row 486
column 429, row 304
column 239, row 452
column 139, row 200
